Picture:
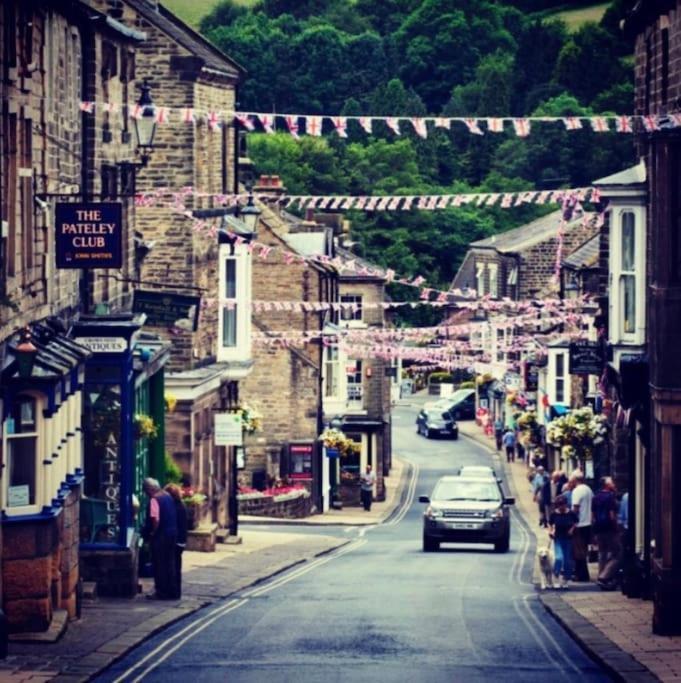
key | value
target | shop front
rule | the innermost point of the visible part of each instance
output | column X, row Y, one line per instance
column 123, row 423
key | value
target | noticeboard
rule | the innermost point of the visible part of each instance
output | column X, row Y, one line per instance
column 89, row 235
column 228, row 429
column 167, row 309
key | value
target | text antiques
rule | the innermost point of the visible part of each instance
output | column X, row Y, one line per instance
column 586, row 357
column 89, row 235
column 110, row 487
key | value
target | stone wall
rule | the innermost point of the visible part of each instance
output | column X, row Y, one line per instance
column 266, row 506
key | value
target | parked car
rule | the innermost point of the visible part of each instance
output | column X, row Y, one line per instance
column 478, row 472
column 463, row 510
column 461, row 404
column 433, row 421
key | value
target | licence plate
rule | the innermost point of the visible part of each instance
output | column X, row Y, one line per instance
column 463, row 525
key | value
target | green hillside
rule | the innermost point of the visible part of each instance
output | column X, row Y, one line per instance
column 575, row 18
column 192, row 11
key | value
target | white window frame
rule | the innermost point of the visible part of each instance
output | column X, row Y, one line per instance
column 480, row 279
column 350, row 316
column 37, row 434
column 493, row 269
column 627, row 274
column 332, row 371
column 241, row 301
column 560, row 379
column 354, row 388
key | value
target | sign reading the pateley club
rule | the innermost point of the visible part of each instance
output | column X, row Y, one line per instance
column 89, row 235
column 166, row 309
column 586, row 358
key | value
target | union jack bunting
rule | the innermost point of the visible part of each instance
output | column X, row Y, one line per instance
column 136, row 111
column 213, row 120
column 522, row 127
column 420, row 127
column 676, row 119
column 313, row 125
column 292, row 124
column 599, row 124
column 87, row 107
column 394, row 124
column 161, row 115
column 246, row 121
column 267, row 122
column 572, row 123
column 366, row 123
column 341, row 125
column 473, row 127
column 650, row 123
column 187, row 115
column 623, row 124
column 495, row 125
column 111, row 107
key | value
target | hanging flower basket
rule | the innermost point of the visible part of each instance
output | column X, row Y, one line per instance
column 145, row 427
column 577, row 433
column 335, row 439
column 251, row 419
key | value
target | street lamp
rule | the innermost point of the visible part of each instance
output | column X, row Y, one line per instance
column 25, row 353
column 145, row 124
column 249, row 214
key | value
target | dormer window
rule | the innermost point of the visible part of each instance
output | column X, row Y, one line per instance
column 351, row 307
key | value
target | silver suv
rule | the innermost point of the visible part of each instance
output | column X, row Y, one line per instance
column 466, row 510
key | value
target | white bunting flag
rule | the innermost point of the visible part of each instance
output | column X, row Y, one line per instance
column 473, row 127
column 187, row 115
column 394, row 124
column 214, row 120
column 420, row 127
column 292, row 124
column 650, row 123
column 522, row 127
column 572, row 122
column 313, row 125
column 246, row 121
column 341, row 125
column 432, row 202
column 543, row 197
column 495, row 125
column 87, row 107
column 394, row 203
column 324, row 203
column 136, row 111
column 599, row 124
column 360, row 202
column 406, row 204
column 366, row 123
column 161, row 115
column 111, row 107
column 267, row 122
column 491, row 199
column 443, row 202
column 371, row 204
column 335, row 204
column 506, row 201
column 347, row 203
column 383, row 203
column 443, row 123
column 480, row 199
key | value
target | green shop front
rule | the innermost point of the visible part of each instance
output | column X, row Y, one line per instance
column 123, row 426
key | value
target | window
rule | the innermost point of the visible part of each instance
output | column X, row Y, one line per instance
column 493, row 283
column 26, row 34
column 648, row 74
column 501, row 335
column 480, row 279
column 331, row 378
column 22, row 451
column 10, row 39
column 354, row 380
column 664, row 82
column 229, row 305
column 109, row 60
column 351, row 307
column 628, row 273
column 560, row 378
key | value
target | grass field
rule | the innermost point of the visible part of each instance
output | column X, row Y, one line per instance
column 192, row 11
column 574, row 18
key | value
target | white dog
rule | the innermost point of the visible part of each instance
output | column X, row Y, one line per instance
column 545, row 567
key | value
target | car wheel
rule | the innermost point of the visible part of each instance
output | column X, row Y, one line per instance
column 455, row 435
column 430, row 545
column 503, row 544
column 429, row 433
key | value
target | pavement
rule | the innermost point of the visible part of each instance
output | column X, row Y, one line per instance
column 110, row 627
column 614, row 629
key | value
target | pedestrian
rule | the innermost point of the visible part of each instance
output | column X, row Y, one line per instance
column 520, row 449
column 509, row 442
column 562, row 525
column 623, row 514
column 538, row 485
column 498, row 432
column 367, row 481
column 582, row 496
column 161, row 532
column 181, row 541
column 560, row 481
column 604, row 511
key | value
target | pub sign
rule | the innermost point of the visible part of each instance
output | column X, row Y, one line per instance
column 164, row 309
column 586, row 358
column 89, row 235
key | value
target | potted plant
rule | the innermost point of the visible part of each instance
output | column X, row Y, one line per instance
column 193, row 501
column 145, row 427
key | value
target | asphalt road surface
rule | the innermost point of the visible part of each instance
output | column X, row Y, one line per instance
column 379, row 609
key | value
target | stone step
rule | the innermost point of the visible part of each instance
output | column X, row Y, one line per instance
column 57, row 627
column 89, row 590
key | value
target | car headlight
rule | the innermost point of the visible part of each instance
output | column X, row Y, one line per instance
column 496, row 514
column 432, row 512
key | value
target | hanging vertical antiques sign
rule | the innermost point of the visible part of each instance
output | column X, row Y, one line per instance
column 89, row 235
column 169, row 310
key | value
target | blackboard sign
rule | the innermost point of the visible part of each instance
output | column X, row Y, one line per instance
column 163, row 308
column 89, row 235
column 586, row 358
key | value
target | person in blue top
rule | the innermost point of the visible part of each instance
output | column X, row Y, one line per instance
column 160, row 531
column 562, row 525
column 509, row 443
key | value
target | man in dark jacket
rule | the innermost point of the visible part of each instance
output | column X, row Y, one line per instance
column 161, row 532
column 604, row 509
column 175, row 491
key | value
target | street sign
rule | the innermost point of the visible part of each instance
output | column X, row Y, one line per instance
column 89, row 235
column 586, row 358
column 167, row 309
column 228, row 429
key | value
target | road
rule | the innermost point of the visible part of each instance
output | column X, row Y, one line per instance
column 379, row 609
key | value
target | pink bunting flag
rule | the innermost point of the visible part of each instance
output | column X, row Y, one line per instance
column 366, row 122
column 161, row 115
column 110, row 107
column 522, row 127
column 264, row 251
column 245, row 120
column 389, row 275
column 418, row 281
column 595, row 196
column 341, row 125
column 420, row 127
column 187, row 115
column 394, row 124
column 599, row 124
column 214, row 120
column 267, row 122
column 650, row 123
column 432, row 202
column 473, row 127
column 360, row 202
column 394, row 203
column 292, row 124
column 495, row 125
column 623, row 124
column 313, row 125
column 572, row 122
column 441, row 122
column 136, row 111
column 676, row 119
column 87, row 107
column 506, row 201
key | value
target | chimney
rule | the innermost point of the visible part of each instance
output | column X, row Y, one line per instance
column 271, row 188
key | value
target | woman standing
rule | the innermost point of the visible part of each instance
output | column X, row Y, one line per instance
column 562, row 525
column 176, row 493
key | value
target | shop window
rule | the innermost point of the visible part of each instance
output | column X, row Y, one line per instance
column 352, row 462
column 100, row 506
column 21, row 431
column 331, row 372
column 351, row 307
column 628, row 273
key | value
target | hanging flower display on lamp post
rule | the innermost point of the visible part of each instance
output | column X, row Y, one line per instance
column 251, row 419
column 528, row 426
column 335, row 439
column 577, row 433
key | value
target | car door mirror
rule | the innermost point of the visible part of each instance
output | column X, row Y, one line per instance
column 424, row 499
column 509, row 501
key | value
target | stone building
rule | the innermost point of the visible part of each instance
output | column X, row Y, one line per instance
column 54, row 151
column 657, row 29
column 208, row 358
column 286, row 383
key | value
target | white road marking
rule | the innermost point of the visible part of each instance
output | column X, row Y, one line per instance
column 410, row 496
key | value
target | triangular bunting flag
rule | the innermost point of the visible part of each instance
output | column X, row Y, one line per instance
column 443, row 123
column 473, row 127
column 650, row 123
column 245, row 120
column 292, row 124
column 187, row 115
column 313, row 125
column 341, row 125
column 267, row 122
column 599, row 124
column 522, row 127
column 572, row 122
column 393, row 123
column 495, row 125
column 366, row 123
column 420, row 127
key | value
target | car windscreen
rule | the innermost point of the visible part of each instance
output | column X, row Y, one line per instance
column 466, row 490
column 476, row 472
column 459, row 395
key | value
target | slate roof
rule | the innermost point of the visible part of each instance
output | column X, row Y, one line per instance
column 585, row 256
column 185, row 36
column 375, row 272
column 635, row 175
column 526, row 235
